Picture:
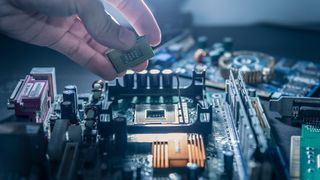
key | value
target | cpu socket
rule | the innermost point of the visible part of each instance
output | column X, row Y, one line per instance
column 158, row 113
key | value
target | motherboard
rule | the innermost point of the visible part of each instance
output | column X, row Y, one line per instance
column 145, row 125
column 272, row 76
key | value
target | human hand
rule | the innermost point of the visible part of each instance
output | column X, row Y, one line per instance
column 80, row 29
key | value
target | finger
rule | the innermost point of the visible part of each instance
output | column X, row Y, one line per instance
column 98, row 23
column 80, row 52
column 140, row 67
column 69, row 36
column 80, row 31
column 102, row 27
column 52, row 8
column 140, row 17
column 122, row 74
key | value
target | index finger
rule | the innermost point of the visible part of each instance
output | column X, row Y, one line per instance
column 140, row 17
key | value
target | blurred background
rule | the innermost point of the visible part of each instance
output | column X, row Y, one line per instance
column 231, row 12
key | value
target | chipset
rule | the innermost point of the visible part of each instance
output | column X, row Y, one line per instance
column 159, row 114
column 123, row 60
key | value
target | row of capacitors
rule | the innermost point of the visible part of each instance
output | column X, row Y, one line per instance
column 154, row 78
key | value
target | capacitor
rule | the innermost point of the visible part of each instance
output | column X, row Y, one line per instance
column 120, row 135
column 202, row 42
column 193, row 171
column 97, row 89
column 128, row 173
column 228, row 162
column 167, row 78
column 252, row 92
column 142, row 79
column 154, row 78
column 96, row 94
column 139, row 173
column 89, row 124
column 128, row 79
column 91, row 113
column 214, row 56
column 53, row 118
column 174, row 176
column 68, row 95
column 67, row 111
column 228, row 43
column 98, row 85
column 74, row 89
column 200, row 68
column 217, row 45
column 199, row 54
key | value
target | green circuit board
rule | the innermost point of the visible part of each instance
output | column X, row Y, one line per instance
column 310, row 152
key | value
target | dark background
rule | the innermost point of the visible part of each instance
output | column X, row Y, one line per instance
column 17, row 59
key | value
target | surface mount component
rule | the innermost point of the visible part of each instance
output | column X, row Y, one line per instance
column 123, row 60
column 256, row 67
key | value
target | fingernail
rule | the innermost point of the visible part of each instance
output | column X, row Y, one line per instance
column 127, row 38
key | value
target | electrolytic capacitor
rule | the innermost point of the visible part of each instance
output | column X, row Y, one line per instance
column 199, row 54
column 142, row 79
column 74, row 89
column 214, row 56
column 67, row 111
column 252, row 92
column 128, row 173
column 174, row 176
column 91, row 113
column 227, row 43
column 228, row 162
column 98, row 85
column 71, row 87
column 97, row 89
column 121, row 135
column 128, row 79
column 202, row 42
column 193, row 171
column 69, row 95
column 167, row 78
column 217, row 45
column 154, row 78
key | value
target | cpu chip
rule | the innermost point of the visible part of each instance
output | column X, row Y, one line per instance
column 158, row 114
column 123, row 60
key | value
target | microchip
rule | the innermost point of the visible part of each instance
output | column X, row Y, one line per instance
column 160, row 114
column 123, row 60
column 151, row 114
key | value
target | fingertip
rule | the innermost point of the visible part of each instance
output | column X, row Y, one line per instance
column 155, row 38
column 101, row 66
column 141, row 67
column 122, row 74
